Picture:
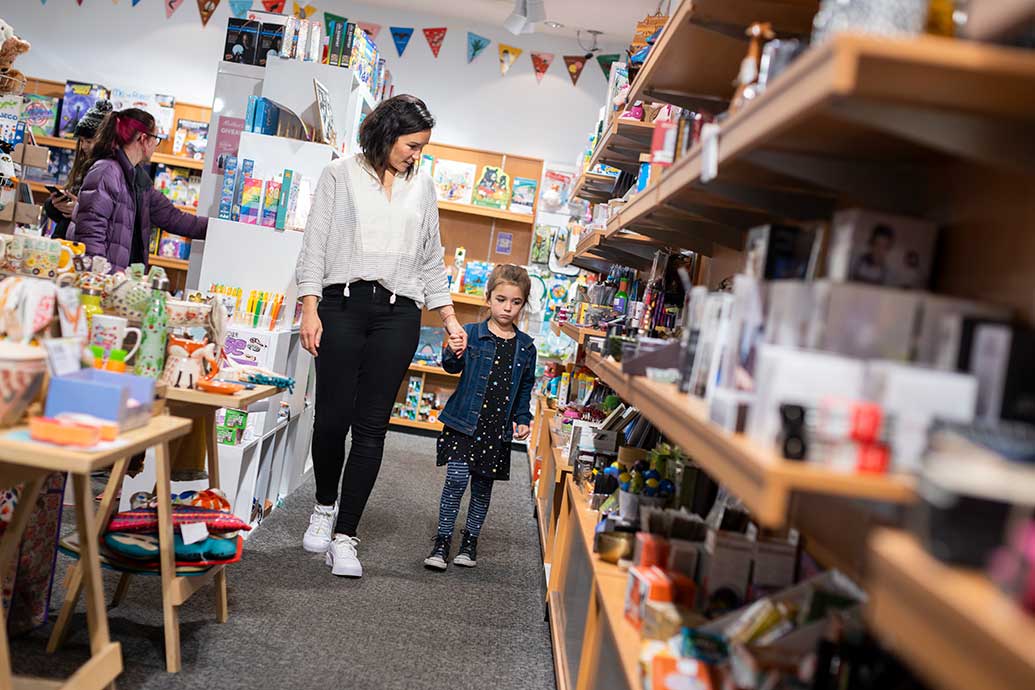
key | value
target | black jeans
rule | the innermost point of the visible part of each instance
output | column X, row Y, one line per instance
column 365, row 351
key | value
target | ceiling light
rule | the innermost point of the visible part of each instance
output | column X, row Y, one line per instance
column 525, row 16
column 554, row 25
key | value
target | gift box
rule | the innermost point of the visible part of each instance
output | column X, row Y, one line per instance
column 121, row 398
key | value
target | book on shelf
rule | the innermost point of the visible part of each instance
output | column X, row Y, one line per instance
column 454, row 180
column 284, row 199
column 10, row 117
column 79, row 97
column 191, row 139
column 172, row 246
column 492, row 189
column 251, row 200
column 271, row 38
column 363, row 60
column 244, row 171
column 326, row 131
column 522, row 199
column 160, row 106
column 270, row 204
column 336, row 35
column 41, row 114
column 429, row 347
column 242, row 41
column 226, row 193
column 346, row 46
column 179, row 185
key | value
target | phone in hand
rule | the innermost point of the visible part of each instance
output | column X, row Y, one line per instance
column 56, row 190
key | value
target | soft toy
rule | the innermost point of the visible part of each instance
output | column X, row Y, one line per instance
column 11, row 80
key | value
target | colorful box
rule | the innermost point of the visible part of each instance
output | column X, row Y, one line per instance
column 270, row 204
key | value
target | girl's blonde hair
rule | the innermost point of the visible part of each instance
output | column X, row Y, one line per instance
column 509, row 274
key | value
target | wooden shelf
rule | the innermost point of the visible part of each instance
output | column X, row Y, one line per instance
column 954, row 626
column 498, row 214
column 414, row 424
column 238, row 401
column 428, row 369
column 577, row 333
column 56, row 142
column 621, row 247
column 38, row 187
column 993, row 19
column 473, row 300
column 758, row 476
column 168, row 263
column 698, row 55
column 867, row 121
column 622, row 143
column 178, row 161
column 187, row 209
column 594, row 187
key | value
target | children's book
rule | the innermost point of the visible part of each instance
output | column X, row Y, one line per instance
column 364, row 58
column 493, row 188
column 522, row 200
column 251, row 200
column 244, row 171
column 476, row 277
column 41, row 114
column 173, row 246
column 226, row 194
column 271, row 38
column 454, row 181
column 10, row 116
column 328, row 133
column 242, row 40
column 79, row 97
column 286, row 186
column 191, row 139
column 429, row 347
column 270, row 201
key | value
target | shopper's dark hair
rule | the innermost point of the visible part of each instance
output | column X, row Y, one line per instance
column 509, row 274
column 394, row 118
column 80, row 166
column 882, row 231
column 120, row 128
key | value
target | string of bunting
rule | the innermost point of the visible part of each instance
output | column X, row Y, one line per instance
column 401, row 35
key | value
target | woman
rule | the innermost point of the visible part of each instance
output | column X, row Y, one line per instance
column 118, row 203
column 371, row 259
column 59, row 207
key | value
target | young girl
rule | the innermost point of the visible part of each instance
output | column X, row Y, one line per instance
column 490, row 405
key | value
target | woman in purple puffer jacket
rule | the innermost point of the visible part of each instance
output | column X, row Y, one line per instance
column 118, row 203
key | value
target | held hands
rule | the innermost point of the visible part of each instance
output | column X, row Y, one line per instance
column 457, row 337
column 521, row 431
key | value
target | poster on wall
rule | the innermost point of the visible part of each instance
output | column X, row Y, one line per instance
column 454, row 181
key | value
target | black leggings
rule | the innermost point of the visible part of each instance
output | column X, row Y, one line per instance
column 365, row 351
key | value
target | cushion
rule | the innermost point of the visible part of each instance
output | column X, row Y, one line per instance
column 144, row 547
column 146, row 519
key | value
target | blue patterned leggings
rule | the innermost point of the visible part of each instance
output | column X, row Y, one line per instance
column 457, row 475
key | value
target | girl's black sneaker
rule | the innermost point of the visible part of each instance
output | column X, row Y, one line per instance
column 468, row 556
column 439, row 553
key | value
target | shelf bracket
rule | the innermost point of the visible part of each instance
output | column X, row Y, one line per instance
column 784, row 204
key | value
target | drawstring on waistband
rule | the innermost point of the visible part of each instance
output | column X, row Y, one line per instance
column 345, row 292
column 392, row 300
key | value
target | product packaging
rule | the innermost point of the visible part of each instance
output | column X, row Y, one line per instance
column 881, row 249
column 782, row 252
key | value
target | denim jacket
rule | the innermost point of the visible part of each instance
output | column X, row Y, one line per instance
column 464, row 406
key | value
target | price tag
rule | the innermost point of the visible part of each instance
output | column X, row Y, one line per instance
column 709, row 152
column 193, row 532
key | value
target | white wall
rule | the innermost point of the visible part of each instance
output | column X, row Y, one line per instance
column 137, row 47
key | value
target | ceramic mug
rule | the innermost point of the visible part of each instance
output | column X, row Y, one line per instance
column 127, row 297
column 110, row 332
column 38, row 256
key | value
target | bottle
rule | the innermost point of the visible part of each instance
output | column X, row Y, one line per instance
column 91, row 301
column 621, row 302
column 153, row 333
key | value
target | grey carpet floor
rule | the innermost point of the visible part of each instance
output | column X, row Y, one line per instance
column 294, row 625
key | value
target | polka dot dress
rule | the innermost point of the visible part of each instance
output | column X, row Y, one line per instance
column 487, row 453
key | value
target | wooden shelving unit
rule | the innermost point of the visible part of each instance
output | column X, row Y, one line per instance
column 485, row 212
column 696, row 59
column 594, row 187
column 622, row 143
column 627, row 248
column 414, row 424
column 167, row 159
column 857, row 121
column 168, row 264
column 952, row 625
column 577, row 333
column 763, row 480
column 427, row 369
column 473, row 300
column 994, row 19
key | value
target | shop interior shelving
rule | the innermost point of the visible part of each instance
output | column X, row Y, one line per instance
column 165, row 158
column 428, row 369
column 954, row 626
column 994, row 19
column 577, row 333
column 622, row 143
column 593, row 187
column 625, row 247
column 485, row 212
column 883, row 123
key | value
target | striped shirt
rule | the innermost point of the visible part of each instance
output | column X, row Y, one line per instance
column 355, row 233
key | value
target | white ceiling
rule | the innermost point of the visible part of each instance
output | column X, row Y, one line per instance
column 616, row 18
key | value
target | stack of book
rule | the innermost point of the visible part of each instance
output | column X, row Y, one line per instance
column 282, row 203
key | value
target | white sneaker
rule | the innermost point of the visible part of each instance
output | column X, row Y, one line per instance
column 317, row 537
column 342, row 556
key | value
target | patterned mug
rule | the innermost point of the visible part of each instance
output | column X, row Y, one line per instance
column 38, row 256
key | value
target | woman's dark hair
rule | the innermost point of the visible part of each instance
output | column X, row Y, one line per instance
column 80, row 166
column 120, row 128
column 394, row 118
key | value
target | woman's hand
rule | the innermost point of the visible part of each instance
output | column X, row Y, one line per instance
column 64, row 203
column 521, row 431
column 312, row 330
column 457, row 337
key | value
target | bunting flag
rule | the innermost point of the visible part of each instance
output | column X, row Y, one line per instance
column 475, row 45
column 605, row 62
column 238, row 8
column 370, row 28
column 303, row 11
column 170, row 7
column 575, row 65
column 435, row 37
column 207, row 8
column 540, row 63
column 508, row 56
column 136, row 2
column 275, row 6
column 401, row 35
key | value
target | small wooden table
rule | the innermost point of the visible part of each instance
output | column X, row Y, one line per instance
column 30, row 463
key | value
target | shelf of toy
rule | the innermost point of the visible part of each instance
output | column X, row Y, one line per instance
column 577, row 333
column 594, row 187
column 428, row 369
column 954, row 626
column 168, row 263
column 497, row 213
column 759, row 477
column 859, row 120
column 416, row 424
column 472, row 300
column 994, row 19
column 698, row 55
column 621, row 145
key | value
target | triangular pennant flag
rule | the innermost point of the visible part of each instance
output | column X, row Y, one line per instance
column 435, row 37
column 275, row 6
column 605, row 62
column 508, row 56
column 136, row 2
column 540, row 63
column 171, row 6
column 401, row 35
column 207, row 8
column 475, row 45
column 303, row 11
column 79, row 2
column 240, row 8
column 575, row 65
column 370, row 28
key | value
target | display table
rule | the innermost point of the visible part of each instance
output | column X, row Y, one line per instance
column 24, row 461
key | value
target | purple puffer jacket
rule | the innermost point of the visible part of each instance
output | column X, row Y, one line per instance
column 105, row 213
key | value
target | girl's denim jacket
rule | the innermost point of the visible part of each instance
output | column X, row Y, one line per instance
column 464, row 406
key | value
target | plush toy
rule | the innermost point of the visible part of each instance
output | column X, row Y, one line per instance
column 11, row 80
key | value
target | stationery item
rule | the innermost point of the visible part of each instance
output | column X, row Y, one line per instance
column 109, row 333
column 244, row 171
column 41, row 114
column 71, row 314
column 190, row 139
column 151, row 360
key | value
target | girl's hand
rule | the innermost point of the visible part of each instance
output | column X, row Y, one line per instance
column 457, row 338
column 64, row 203
column 312, row 331
column 521, row 432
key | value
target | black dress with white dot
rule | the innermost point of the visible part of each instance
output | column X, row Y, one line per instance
column 487, row 452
